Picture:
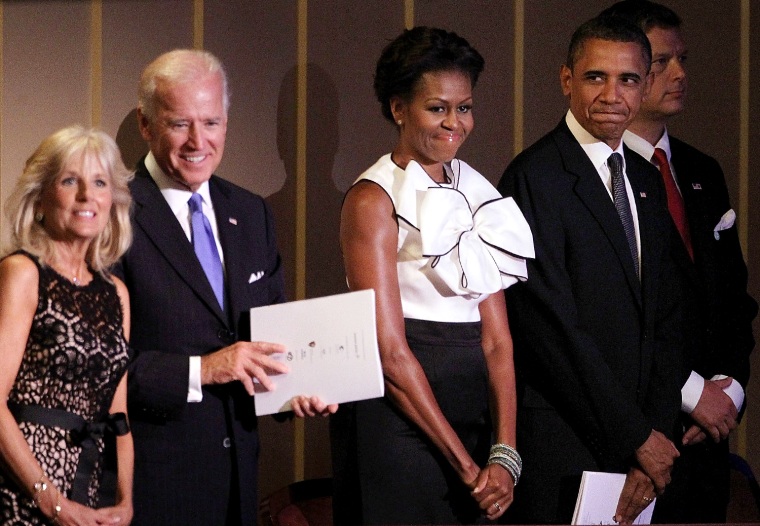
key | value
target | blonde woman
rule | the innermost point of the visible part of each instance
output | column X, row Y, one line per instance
column 64, row 324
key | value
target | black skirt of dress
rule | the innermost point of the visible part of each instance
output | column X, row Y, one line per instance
column 386, row 471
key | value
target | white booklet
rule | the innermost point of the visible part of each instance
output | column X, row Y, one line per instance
column 331, row 346
column 598, row 499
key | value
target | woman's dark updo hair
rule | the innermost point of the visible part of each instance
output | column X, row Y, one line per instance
column 418, row 51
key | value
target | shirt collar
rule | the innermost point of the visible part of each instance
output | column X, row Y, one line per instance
column 175, row 194
column 641, row 146
column 598, row 151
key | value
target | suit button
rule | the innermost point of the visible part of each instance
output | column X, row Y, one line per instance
column 227, row 443
column 225, row 336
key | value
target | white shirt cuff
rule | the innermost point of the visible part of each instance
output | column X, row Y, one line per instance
column 194, row 391
column 691, row 392
column 734, row 391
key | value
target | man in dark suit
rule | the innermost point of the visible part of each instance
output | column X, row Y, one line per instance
column 595, row 326
column 719, row 312
column 203, row 254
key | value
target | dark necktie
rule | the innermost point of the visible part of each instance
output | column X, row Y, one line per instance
column 205, row 247
column 620, row 196
column 675, row 200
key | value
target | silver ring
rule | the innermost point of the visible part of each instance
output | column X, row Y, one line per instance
column 498, row 507
column 647, row 499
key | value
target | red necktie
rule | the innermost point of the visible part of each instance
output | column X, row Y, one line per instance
column 675, row 200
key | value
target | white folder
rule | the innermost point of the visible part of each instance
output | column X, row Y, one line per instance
column 331, row 351
column 598, row 499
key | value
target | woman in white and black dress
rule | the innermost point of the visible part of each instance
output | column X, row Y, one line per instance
column 438, row 244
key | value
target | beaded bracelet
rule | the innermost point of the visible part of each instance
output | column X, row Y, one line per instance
column 40, row 487
column 507, row 457
column 57, row 507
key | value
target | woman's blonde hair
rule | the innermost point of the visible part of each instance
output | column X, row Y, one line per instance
column 40, row 172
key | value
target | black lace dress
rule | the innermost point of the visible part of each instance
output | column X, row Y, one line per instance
column 75, row 356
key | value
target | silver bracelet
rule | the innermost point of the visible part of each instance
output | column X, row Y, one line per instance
column 507, row 457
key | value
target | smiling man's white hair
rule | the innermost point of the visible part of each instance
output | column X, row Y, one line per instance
column 179, row 66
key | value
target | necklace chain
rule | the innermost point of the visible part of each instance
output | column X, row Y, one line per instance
column 74, row 277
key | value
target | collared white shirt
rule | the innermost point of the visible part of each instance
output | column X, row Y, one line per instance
column 692, row 389
column 641, row 146
column 177, row 197
column 598, row 152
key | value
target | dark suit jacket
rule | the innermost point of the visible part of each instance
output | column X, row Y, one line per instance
column 596, row 350
column 719, row 322
column 717, row 327
column 191, row 459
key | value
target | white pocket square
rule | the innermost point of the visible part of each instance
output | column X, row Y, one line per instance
column 256, row 276
column 726, row 222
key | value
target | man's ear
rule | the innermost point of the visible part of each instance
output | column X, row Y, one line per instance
column 648, row 80
column 565, row 78
column 144, row 124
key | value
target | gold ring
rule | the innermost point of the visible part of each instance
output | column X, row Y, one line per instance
column 647, row 499
column 498, row 507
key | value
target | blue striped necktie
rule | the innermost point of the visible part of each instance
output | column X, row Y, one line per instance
column 620, row 196
column 205, row 247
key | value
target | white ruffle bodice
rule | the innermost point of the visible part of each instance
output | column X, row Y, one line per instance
column 457, row 243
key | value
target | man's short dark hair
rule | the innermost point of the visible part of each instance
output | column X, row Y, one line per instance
column 610, row 28
column 645, row 14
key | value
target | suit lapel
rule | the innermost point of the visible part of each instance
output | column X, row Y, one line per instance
column 685, row 174
column 645, row 194
column 155, row 217
column 233, row 244
column 594, row 195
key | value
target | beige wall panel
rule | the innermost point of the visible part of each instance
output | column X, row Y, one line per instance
column 548, row 28
column 256, row 41
column 345, row 41
column 46, row 78
column 345, row 130
column 489, row 28
column 713, row 91
column 134, row 33
column 345, row 135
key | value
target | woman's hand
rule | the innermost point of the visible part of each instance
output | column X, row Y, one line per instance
column 75, row 514
column 120, row 514
column 493, row 489
column 311, row 406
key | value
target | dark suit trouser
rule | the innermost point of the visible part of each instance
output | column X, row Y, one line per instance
column 547, row 490
column 699, row 490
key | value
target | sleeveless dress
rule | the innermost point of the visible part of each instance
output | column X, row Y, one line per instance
column 457, row 244
column 75, row 357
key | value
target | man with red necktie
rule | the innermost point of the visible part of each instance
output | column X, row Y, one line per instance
column 719, row 312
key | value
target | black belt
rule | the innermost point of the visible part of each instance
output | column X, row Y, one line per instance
column 85, row 435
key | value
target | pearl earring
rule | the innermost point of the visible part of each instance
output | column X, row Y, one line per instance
column 39, row 217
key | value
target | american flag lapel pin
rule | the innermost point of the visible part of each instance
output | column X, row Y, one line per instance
column 233, row 221
column 642, row 194
column 696, row 186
